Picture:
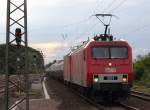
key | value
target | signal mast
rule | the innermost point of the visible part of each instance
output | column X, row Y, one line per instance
column 16, row 36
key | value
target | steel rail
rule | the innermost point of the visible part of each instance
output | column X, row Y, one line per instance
column 140, row 95
column 98, row 105
column 128, row 107
column 3, row 89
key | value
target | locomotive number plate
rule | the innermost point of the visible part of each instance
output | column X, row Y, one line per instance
column 110, row 69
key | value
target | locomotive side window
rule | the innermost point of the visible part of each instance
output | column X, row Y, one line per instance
column 119, row 52
column 100, row 52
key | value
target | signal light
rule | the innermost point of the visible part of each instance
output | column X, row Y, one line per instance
column 18, row 35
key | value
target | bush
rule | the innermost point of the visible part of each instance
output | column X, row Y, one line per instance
column 142, row 70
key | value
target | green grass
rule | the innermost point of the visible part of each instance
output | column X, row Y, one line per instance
column 139, row 87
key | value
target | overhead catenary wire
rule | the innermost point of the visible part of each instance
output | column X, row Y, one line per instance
column 98, row 4
column 109, row 6
column 76, row 23
column 137, row 29
column 118, row 6
column 77, row 34
column 76, row 29
column 97, row 1
column 85, row 33
column 63, row 26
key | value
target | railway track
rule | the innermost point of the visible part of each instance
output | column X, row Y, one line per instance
column 101, row 106
column 117, row 106
column 2, row 86
column 140, row 95
column 2, row 90
column 14, row 81
column 3, row 81
column 112, row 106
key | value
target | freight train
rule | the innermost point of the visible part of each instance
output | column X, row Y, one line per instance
column 100, row 67
column 55, row 70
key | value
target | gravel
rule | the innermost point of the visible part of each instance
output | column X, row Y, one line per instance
column 138, row 103
column 36, row 92
column 66, row 99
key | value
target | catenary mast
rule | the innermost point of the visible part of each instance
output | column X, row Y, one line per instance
column 16, row 36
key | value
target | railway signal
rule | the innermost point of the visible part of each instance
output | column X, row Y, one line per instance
column 18, row 35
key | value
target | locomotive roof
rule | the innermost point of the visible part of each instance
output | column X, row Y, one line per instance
column 92, row 41
column 115, row 42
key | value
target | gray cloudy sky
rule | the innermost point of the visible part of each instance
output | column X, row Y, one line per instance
column 49, row 20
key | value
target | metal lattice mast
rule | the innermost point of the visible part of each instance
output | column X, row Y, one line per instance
column 17, row 19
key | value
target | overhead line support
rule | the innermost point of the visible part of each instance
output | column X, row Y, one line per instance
column 14, row 8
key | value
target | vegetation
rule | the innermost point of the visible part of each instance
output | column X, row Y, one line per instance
column 35, row 59
column 142, row 73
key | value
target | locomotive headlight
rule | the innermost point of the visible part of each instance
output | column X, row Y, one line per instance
column 109, row 64
column 95, row 78
column 125, row 78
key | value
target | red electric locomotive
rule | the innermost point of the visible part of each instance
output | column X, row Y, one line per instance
column 102, row 67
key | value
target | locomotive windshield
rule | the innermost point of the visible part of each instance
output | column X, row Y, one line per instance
column 109, row 52
column 100, row 52
column 119, row 52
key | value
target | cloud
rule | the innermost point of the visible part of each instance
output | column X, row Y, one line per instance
column 43, row 3
column 50, row 49
column 140, row 51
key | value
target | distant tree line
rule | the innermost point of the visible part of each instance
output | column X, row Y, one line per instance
column 16, row 66
column 142, row 69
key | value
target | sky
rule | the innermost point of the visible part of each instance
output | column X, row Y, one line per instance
column 54, row 26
